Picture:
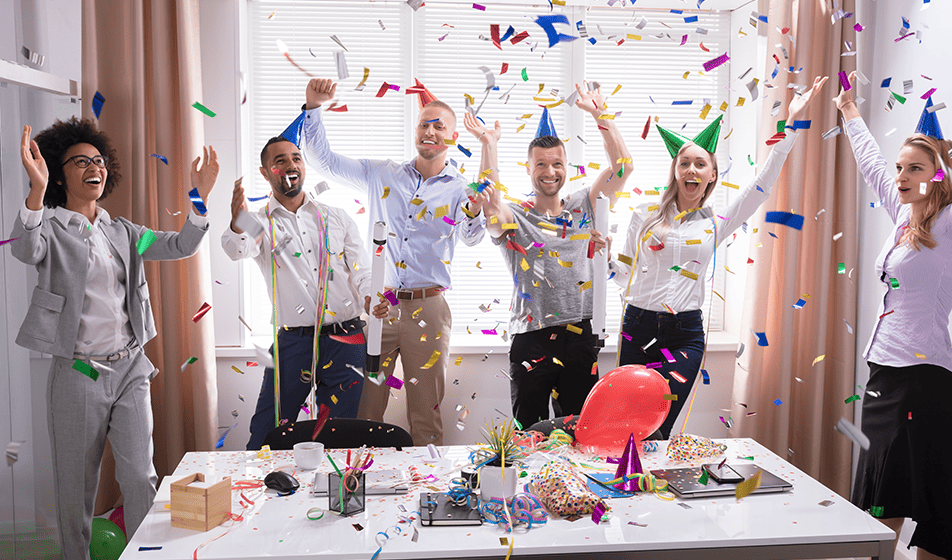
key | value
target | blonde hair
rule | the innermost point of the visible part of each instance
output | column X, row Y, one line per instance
column 940, row 193
column 659, row 223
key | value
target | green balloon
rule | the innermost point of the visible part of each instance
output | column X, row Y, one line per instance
column 107, row 542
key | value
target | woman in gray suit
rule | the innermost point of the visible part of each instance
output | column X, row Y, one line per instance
column 91, row 311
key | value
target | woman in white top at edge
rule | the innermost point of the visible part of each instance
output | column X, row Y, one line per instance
column 663, row 307
column 906, row 411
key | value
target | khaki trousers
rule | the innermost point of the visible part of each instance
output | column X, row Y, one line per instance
column 424, row 383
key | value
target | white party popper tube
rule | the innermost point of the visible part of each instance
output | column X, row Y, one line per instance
column 376, row 287
column 600, row 275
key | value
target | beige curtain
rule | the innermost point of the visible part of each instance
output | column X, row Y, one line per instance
column 819, row 175
column 143, row 57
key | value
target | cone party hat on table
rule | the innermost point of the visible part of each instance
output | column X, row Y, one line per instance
column 706, row 139
column 546, row 127
column 630, row 464
column 929, row 123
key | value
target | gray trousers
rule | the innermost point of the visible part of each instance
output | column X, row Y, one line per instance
column 82, row 414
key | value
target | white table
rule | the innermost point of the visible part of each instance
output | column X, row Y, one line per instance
column 787, row 525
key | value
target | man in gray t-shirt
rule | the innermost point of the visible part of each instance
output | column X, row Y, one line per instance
column 548, row 245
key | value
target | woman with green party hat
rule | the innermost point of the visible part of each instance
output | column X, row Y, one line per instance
column 906, row 412
column 670, row 245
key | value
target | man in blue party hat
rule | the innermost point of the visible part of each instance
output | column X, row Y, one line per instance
column 322, row 275
column 548, row 245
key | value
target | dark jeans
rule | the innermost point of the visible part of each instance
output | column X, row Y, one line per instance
column 295, row 352
column 681, row 334
column 530, row 387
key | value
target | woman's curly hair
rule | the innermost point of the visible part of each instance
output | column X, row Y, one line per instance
column 56, row 140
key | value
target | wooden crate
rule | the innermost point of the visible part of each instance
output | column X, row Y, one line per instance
column 200, row 509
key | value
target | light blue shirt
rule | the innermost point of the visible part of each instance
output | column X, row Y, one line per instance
column 422, row 242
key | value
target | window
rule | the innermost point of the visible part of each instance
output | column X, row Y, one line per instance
column 444, row 44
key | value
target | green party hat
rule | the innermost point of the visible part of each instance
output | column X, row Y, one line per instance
column 706, row 139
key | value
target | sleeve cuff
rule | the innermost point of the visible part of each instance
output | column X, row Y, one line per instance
column 198, row 221
column 30, row 218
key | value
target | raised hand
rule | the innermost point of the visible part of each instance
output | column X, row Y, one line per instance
column 319, row 91
column 204, row 179
column 33, row 161
column 238, row 204
column 590, row 101
column 800, row 102
column 481, row 131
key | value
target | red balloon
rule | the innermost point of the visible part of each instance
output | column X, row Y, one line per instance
column 627, row 400
column 118, row 516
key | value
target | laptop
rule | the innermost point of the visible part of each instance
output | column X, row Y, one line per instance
column 390, row 481
column 684, row 482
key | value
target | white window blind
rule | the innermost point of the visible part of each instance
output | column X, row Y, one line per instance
column 410, row 47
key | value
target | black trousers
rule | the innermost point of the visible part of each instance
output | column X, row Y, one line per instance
column 535, row 371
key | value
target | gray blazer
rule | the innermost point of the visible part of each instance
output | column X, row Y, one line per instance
column 62, row 260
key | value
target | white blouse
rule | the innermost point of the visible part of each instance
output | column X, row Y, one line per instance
column 913, row 323
column 690, row 244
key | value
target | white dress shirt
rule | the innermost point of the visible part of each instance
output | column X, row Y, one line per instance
column 298, row 245
column 420, row 253
column 914, row 317
column 655, row 284
column 104, row 325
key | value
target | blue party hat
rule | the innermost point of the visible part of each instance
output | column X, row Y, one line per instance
column 293, row 132
column 929, row 123
column 546, row 127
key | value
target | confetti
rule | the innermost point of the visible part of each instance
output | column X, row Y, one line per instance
column 13, row 452
column 146, row 241
column 850, row 430
column 98, row 101
column 851, row 399
column 794, row 221
column 191, row 360
column 86, row 369
column 164, row 159
column 745, row 488
column 205, row 308
column 434, row 357
column 761, row 338
column 203, row 109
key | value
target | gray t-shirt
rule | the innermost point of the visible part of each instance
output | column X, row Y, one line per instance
column 552, row 277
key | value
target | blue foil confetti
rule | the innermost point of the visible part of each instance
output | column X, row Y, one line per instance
column 197, row 201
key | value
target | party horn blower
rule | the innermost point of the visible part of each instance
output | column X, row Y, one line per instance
column 376, row 286
column 600, row 276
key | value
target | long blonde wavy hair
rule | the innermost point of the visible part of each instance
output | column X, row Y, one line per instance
column 940, row 193
column 659, row 223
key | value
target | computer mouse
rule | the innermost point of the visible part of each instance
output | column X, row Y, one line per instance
column 281, row 481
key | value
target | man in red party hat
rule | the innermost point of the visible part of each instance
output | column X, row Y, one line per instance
column 425, row 204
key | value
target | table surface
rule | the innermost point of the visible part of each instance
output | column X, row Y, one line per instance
column 278, row 527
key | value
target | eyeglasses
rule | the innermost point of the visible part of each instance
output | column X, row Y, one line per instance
column 83, row 162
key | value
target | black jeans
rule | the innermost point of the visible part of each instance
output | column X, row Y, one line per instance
column 682, row 335
column 572, row 379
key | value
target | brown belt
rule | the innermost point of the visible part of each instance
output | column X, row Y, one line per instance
column 417, row 293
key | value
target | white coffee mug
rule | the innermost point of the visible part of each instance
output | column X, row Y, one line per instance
column 308, row 454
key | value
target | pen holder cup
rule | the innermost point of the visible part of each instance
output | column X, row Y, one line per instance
column 347, row 495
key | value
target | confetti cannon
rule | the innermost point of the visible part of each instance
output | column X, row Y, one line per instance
column 600, row 275
column 376, row 287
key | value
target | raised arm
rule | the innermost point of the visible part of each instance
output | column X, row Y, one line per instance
column 868, row 156
column 30, row 244
column 490, row 199
column 612, row 180
column 317, row 149
column 758, row 191
column 237, row 243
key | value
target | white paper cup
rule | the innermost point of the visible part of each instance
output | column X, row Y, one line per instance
column 308, row 454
